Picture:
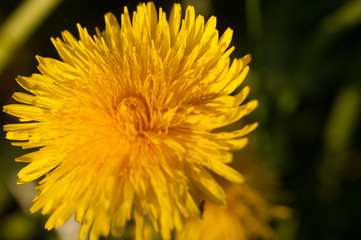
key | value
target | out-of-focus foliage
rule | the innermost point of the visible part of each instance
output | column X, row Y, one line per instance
column 305, row 72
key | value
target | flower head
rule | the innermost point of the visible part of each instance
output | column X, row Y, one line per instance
column 251, row 207
column 125, row 122
column 247, row 216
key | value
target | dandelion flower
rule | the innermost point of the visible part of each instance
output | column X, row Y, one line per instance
column 247, row 216
column 124, row 122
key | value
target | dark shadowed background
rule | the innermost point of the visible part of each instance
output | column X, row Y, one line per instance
column 306, row 74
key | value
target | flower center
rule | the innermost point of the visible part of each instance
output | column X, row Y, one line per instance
column 133, row 114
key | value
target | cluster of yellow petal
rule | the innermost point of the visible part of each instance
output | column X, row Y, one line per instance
column 246, row 216
column 124, row 122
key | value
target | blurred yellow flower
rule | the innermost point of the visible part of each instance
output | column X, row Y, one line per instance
column 247, row 216
column 124, row 122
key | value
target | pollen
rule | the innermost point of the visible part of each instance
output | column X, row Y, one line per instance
column 133, row 115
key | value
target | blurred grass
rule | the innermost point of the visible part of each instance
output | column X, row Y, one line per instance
column 19, row 26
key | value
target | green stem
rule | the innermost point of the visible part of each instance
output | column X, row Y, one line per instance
column 254, row 20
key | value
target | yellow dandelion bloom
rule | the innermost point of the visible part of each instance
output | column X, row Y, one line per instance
column 124, row 122
column 247, row 216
